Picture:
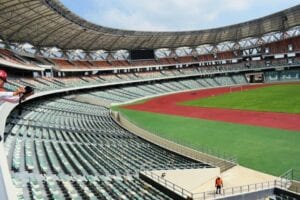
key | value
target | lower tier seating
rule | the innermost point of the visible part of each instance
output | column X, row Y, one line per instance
column 63, row 149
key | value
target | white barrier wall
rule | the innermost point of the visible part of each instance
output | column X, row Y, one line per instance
column 7, row 189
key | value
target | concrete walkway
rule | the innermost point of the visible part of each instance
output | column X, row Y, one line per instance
column 198, row 181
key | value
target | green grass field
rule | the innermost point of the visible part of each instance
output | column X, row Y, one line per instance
column 265, row 149
column 275, row 98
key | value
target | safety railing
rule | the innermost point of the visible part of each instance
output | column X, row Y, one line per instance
column 238, row 190
column 169, row 185
column 225, row 192
column 294, row 177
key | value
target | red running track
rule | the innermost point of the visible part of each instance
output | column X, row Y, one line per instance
column 168, row 105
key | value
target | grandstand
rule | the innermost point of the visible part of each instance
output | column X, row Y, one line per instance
column 63, row 139
column 65, row 144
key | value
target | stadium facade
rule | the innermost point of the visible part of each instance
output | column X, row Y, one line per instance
column 61, row 147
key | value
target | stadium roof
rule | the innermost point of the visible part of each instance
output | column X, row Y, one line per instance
column 47, row 23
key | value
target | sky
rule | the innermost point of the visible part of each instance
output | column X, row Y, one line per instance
column 173, row 15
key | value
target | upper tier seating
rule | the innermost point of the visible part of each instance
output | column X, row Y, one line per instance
column 167, row 61
column 44, row 83
column 8, row 55
column 143, row 62
column 62, row 63
column 101, row 64
column 83, row 64
column 291, row 75
column 282, row 46
column 225, row 55
column 187, row 59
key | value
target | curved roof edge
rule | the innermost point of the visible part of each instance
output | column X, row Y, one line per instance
column 65, row 12
column 48, row 23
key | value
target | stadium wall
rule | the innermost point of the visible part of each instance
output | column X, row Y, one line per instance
column 7, row 189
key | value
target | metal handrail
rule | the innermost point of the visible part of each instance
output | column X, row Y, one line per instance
column 225, row 192
column 169, row 185
column 279, row 183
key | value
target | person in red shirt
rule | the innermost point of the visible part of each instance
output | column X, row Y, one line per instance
column 9, row 96
column 219, row 185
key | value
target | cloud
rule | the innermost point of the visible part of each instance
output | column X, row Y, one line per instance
column 174, row 15
column 237, row 5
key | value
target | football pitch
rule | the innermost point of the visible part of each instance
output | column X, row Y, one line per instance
column 265, row 149
column 276, row 98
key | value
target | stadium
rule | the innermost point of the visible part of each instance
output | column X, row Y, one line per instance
column 124, row 114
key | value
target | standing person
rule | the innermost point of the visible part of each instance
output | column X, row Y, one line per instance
column 13, row 97
column 219, row 185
